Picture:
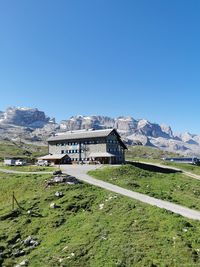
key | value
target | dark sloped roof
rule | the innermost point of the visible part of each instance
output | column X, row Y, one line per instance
column 81, row 134
column 85, row 134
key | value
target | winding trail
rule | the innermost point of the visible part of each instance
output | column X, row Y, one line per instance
column 80, row 172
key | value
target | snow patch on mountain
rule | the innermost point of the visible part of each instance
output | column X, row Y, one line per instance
column 33, row 125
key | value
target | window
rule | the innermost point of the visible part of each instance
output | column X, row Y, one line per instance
column 62, row 151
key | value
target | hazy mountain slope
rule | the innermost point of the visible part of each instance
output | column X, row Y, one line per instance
column 32, row 125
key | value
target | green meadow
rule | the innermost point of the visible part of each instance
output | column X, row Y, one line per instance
column 90, row 227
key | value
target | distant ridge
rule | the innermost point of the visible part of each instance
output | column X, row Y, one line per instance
column 32, row 125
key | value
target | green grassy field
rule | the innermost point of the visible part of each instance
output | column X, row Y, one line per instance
column 21, row 150
column 123, row 232
column 28, row 168
column 148, row 152
column 174, row 187
column 155, row 155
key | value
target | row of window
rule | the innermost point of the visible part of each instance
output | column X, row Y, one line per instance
column 73, row 151
column 75, row 143
column 112, row 141
column 86, row 159
column 114, row 149
column 68, row 143
column 87, row 142
column 77, row 159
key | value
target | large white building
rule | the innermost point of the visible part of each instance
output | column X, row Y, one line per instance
column 104, row 146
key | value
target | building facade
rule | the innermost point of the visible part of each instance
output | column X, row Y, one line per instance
column 104, row 146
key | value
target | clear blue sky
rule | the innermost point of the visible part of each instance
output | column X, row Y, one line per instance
column 107, row 57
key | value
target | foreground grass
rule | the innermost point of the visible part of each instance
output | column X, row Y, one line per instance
column 30, row 168
column 174, row 187
column 21, row 150
column 78, row 233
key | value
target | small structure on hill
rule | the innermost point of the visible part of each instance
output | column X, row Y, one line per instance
column 193, row 160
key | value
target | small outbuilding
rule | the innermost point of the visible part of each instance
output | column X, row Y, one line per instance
column 54, row 159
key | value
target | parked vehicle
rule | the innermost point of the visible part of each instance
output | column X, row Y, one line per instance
column 42, row 162
column 20, row 162
column 9, row 162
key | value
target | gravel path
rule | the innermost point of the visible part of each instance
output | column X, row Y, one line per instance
column 80, row 172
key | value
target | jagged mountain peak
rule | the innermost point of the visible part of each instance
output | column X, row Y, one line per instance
column 33, row 124
column 24, row 116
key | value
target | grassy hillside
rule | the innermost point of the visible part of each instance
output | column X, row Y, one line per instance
column 29, row 168
column 151, row 154
column 91, row 227
column 17, row 149
column 174, row 187
column 147, row 152
column 187, row 167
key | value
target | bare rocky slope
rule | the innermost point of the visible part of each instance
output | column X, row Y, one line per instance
column 32, row 125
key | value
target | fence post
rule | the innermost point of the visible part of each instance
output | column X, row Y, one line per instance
column 13, row 201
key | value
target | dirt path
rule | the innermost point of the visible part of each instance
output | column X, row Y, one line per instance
column 80, row 172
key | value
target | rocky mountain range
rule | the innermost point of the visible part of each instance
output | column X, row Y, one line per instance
column 32, row 125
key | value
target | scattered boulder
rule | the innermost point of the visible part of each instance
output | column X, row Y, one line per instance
column 53, row 206
column 31, row 241
column 29, row 212
column 59, row 194
column 101, row 206
column 57, row 172
column 23, row 263
column 18, row 253
column 71, row 255
column 63, row 179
